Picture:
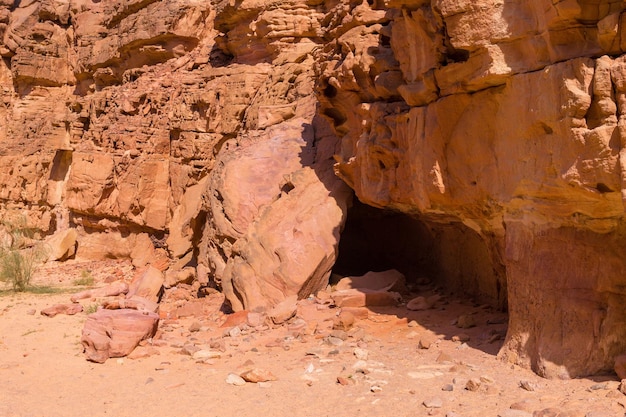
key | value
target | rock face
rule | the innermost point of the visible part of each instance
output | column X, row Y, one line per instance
column 210, row 130
column 115, row 333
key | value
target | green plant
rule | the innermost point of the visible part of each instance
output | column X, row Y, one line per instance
column 20, row 254
column 85, row 278
column 92, row 308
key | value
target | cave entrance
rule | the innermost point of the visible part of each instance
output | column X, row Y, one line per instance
column 452, row 256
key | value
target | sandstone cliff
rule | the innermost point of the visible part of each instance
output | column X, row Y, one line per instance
column 209, row 132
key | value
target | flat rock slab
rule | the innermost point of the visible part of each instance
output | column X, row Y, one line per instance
column 113, row 289
column 69, row 309
column 365, row 298
column 116, row 333
column 373, row 281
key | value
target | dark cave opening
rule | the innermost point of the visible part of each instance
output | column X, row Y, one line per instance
column 452, row 256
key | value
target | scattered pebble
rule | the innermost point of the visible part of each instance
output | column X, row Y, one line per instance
column 527, row 385
column 234, row 379
column 361, row 354
column 463, row 337
column 433, row 403
column 195, row 327
column 473, row 384
column 201, row 355
column 514, row 413
column 448, row 387
column 465, row 321
column 258, row 375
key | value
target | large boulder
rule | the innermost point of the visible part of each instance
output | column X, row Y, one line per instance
column 116, row 333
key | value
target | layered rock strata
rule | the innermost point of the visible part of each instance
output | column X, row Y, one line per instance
column 205, row 133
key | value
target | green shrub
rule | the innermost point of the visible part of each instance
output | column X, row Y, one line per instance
column 85, row 278
column 20, row 254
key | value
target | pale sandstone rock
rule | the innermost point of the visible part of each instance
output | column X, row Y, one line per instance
column 258, row 375
column 115, row 333
column 284, row 310
column 115, row 288
column 69, row 309
column 375, row 281
column 365, row 298
column 148, row 285
column 134, row 302
column 61, row 245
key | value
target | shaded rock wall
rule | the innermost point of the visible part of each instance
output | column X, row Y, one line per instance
column 208, row 132
column 503, row 118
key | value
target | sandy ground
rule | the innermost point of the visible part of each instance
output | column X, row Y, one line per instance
column 43, row 371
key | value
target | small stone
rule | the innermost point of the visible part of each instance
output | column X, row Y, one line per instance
column 284, row 310
column 524, row 405
column 514, row 413
column 361, row 354
column 189, row 350
column 234, row 332
column 343, row 381
column 297, row 325
column 344, row 321
column 426, row 341
column 622, row 386
column 487, row 379
column 448, row 388
column 195, row 327
column 255, row 319
column 31, row 311
column 376, row 388
column 547, row 412
column 413, row 323
column 527, row 385
column 465, row 321
column 597, row 387
column 462, row 337
column 334, row 341
column 473, row 384
column 340, row 334
column 234, row 379
column 361, row 367
column 203, row 354
column 258, row 375
column 614, row 394
column 433, row 403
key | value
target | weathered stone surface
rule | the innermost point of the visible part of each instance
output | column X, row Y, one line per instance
column 61, row 245
column 115, row 333
column 148, row 285
column 208, row 130
column 69, row 309
column 375, row 281
column 115, row 288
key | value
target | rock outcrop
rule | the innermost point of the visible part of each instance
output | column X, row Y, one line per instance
column 202, row 137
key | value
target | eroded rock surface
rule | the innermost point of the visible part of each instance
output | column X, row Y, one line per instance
column 115, row 333
column 201, row 137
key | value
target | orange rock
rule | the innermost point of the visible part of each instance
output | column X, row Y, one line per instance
column 115, row 333
column 69, row 309
column 258, row 375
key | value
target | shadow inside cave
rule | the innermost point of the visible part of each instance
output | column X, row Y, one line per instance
column 445, row 259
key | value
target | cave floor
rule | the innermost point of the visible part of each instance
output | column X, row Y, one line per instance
column 375, row 368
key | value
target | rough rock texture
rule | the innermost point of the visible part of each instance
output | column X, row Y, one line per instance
column 115, row 333
column 499, row 124
column 207, row 131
